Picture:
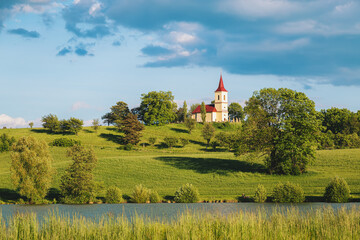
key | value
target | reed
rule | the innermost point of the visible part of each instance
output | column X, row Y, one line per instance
column 291, row 223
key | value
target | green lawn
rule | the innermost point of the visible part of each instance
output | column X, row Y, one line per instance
column 218, row 175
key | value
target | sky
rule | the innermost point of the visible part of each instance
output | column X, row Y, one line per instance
column 78, row 58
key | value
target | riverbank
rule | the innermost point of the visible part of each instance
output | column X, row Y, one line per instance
column 281, row 223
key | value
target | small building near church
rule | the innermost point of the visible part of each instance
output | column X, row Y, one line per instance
column 217, row 112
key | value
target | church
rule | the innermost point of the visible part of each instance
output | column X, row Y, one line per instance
column 217, row 112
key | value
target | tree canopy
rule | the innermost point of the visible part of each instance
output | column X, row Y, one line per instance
column 157, row 108
column 282, row 123
column 117, row 112
column 236, row 112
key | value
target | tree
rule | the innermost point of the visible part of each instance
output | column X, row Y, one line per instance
column 193, row 107
column 95, row 124
column 31, row 124
column 132, row 128
column 190, row 124
column 72, row 125
column 118, row 112
column 31, row 170
column 185, row 111
column 203, row 112
column 51, row 122
column 157, row 108
column 236, row 112
column 208, row 133
column 77, row 184
column 6, row 142
column 282, row 123
column 340, row 121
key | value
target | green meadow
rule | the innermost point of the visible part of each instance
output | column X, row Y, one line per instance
column 218, row 175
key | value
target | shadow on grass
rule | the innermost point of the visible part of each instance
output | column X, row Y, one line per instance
column 8, row 194
column 43, row 130
column 314, row 199
column 213, row 165
column 113, row 138
column 179, row 130
column 198, row 142
column 88, row 131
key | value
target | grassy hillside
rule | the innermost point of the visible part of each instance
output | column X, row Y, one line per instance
column 218, row 175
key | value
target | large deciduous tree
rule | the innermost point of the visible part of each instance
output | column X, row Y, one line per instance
column 31, row 170
column 51, row 122
column 157, row 108
column 282, row 123
column 77, row 184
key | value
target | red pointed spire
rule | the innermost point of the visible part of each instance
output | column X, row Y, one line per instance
column 221, row 87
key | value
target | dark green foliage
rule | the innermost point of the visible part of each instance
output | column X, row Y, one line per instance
column 288, row 193
column 140, row 194
column 187, row 194
column 170, row 141
column 337, row 191
column 229, row 140
column 113, row 195
column 73, row 125
column 157, row 108
column 203, row 112
column 236, row 112
column 208, row 133
column 185, row 111
column 65, row 142
column 152, row 140
column 340, row 121
column 77, row 184
column 154, row 197
column 31, row 170
column 260, row 194
column 6, row 142
column 128, row 147
column 190, row 124
column 51, row 122
column 184, row 141
column 283, row 124
column 131, row 127
column 118, row 112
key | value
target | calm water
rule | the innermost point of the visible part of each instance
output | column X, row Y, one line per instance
column 166, row 211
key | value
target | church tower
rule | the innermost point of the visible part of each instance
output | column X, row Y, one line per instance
column 221, row 102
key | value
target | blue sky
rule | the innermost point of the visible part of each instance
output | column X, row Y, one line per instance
column 78, row 58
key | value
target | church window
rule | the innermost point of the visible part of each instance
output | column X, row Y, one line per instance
column 218, row 97
column 224, row 97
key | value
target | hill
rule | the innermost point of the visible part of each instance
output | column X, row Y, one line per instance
column 217, row 174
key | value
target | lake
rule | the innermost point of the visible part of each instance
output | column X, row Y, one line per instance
column 164, row 211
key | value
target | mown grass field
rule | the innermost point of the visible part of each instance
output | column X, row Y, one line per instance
column 217, row 174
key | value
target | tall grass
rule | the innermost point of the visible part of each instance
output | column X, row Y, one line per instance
column 325, row 223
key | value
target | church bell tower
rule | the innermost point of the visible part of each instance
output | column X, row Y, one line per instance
column 221, row 102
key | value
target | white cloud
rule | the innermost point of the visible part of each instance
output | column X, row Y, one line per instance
column 80, row 105
column 10, row 122
column 94, row 8
column 181, row 37
column 259, row 8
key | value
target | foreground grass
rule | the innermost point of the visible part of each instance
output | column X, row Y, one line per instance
column 291, row 224
column 217, row 174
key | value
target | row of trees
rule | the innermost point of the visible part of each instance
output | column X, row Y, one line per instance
column 72, row 125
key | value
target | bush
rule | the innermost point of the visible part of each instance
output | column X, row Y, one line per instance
column 113, row 195
column 184, row 142
column 140, row 195
column 170, row 141
column 65, row 142
column 260, row 194
column 152, row 140
column 6, row 142
column 288, row 193
column 154, row 197
column 187, row 194
column 337, row 191
column 128, row 147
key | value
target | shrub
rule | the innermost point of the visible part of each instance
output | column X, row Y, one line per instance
column 128, row 147
column 6, row 142
column 154, row 197
column 140, row 194
column 288, row 192
column 184, row 142
column 152, row 140
column 337, row 191
column 187, row 194
column 113, row 195
column 260, row 194
column 170, row 141
column 65, row 142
